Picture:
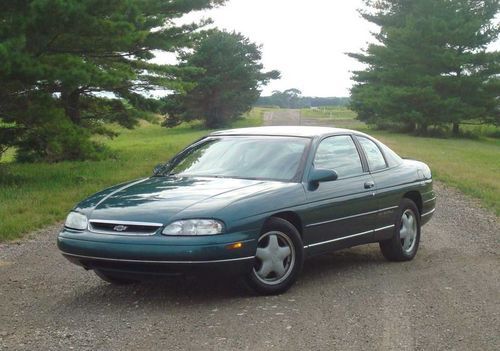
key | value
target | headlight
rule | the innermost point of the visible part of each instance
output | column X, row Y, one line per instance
column 194, row 227
column 76, row 221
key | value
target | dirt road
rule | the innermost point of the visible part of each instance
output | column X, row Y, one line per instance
column 448, row 298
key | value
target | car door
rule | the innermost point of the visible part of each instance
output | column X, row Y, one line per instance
column 340, row 212
column 387, row 195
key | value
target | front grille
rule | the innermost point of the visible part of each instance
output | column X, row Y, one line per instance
column 123, row 228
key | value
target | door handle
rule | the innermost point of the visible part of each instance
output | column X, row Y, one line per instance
column 369, row 184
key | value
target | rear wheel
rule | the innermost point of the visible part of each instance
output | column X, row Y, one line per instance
column 403, row 245
column 114, row 278
column 278, row 259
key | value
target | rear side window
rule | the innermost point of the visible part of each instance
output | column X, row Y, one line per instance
column 390, row 156
column 339, row 153
column 373, row 154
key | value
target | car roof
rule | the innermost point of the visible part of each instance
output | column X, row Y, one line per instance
column 299, row 131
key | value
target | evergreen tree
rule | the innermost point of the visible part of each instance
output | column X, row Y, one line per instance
column 228, row 80
column 430, row 66
column 69, row 66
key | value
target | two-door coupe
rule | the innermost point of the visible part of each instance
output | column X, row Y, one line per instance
column 257, row 202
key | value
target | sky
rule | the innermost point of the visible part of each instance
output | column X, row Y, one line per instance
column 306, row 40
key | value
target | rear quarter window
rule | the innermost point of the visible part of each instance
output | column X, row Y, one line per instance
column 391, row 157
column 376, row 160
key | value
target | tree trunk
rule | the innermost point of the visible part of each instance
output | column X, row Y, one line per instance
column 422, row 128
column 410, row 126
column 456, row 128
column 71, row 103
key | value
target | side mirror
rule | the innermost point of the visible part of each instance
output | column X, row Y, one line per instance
column 158, row 169
column 319, row 175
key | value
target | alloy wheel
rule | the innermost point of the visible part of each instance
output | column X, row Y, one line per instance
column 408, row 230
column 275, row 258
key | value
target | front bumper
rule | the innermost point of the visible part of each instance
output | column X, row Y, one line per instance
column 159, row 255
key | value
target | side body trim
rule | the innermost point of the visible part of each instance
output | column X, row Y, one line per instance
column 350, row 236
column 429, row 200
column 153, row 261
column 353, row 216
column 428, row 213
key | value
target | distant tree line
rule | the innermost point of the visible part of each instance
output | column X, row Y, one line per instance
column 430, row 66
column 292, row 98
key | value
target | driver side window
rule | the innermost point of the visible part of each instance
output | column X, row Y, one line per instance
column 339, row 153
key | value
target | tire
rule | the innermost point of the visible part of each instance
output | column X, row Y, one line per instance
column 404, row 244
column 279, row 258
column 113, row 278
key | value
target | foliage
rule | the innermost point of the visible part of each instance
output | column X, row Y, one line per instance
column 292, row 98
column 67, row 67
column 289, row 98
column 430, row 67
column 228, row 81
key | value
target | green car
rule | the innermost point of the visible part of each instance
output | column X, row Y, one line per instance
column 254, row 202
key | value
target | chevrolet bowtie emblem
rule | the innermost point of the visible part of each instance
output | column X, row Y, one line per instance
column 120, row 228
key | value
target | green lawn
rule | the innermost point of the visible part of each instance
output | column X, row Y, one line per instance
column 36, row 195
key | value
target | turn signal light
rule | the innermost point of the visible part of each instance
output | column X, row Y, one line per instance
column 234, row 246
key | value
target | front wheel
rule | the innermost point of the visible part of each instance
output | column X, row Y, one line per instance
column 279, row 258
column 403, row 245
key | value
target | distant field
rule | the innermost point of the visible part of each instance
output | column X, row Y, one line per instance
column 471, row 165
column 36, row 195
column 332, row 112
column 339, row 117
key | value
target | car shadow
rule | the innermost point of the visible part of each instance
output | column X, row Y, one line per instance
column 193, row 290
column 343, row 260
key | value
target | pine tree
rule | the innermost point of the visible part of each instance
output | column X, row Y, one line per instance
column 228, row 80
column 69, row 66
column 430, row 66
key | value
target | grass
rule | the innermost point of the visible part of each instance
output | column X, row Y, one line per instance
column 255, row 116
column 36, row 195
column 336, row 116
column 478, row 130
column 8, row 156
column 469, row 164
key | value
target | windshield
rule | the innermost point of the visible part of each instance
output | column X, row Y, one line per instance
column 255, row 157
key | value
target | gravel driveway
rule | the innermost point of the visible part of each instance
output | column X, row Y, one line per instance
column 448, row 298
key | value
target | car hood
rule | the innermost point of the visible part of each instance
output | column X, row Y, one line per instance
column 163, row 199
